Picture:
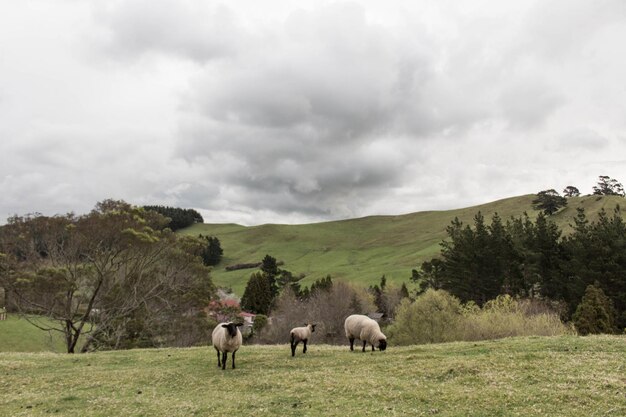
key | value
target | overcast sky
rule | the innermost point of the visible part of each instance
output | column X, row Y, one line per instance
column 297, row 111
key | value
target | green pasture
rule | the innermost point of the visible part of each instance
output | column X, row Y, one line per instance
column 362, row 250
column 19, row 335
column 531, row 376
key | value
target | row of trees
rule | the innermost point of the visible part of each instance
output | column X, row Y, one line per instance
column 549, row 201
column 179, row 218
column 265, row 285
column 530, row 258
column 116, row 277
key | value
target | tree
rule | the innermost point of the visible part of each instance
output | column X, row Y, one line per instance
column 608, row 186
column 322, row 284
column 212, row 252
column 269, row 266
column 178, row 218
column 549, row 201
column 595, row 313
column 257, row 297
column 430, row 275
column 94, row 273
column 571, row 191
column 327, row 309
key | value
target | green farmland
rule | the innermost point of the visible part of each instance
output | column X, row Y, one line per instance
column 362, row 250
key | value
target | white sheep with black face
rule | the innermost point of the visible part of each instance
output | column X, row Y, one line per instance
column 358, row 326
column 300, row 334
column 226, row 338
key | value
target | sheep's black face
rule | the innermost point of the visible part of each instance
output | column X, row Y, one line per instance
column 231, row 328
column 313, row 327
column 382, row 344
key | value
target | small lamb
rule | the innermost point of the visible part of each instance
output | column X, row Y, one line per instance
column 358, row 326
column 299, row 334
column 226, row 337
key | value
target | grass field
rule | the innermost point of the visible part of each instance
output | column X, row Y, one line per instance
column 536, row 376
column 362, row 250
column 18, row 335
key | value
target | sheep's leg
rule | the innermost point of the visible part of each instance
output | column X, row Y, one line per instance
column 233, row 355
column 373, row 348
column 304, row 341
column 364, row 343
column 218, row 358
column 351, row 343
column 224, row 355
column 294, row 345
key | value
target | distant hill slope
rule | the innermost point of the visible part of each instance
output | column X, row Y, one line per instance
column 362, row 250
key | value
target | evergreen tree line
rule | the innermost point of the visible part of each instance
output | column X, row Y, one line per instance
column 265, row 285
column 179, row 217
column 527, row 258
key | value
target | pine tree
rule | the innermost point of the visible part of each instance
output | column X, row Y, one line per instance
column 595, row 313
column 212, row 252
column 269, row 266
column 257, row 297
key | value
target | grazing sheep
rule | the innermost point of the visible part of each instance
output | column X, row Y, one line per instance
column 361, row 327
column 226, row 337
column 299, row 334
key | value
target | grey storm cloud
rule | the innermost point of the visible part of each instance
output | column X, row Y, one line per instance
column 280, row 111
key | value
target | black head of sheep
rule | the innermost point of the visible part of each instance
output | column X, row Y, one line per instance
column 382, row 344
column 232, row 328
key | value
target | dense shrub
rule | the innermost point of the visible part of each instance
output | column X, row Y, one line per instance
column 595, row 313
column 433, row 317
column 437, row 316
column 507, row 317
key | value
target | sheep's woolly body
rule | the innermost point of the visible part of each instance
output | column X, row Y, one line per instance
column 222, row 340
column 301, row 333
column 226, row 338
column 361, row 327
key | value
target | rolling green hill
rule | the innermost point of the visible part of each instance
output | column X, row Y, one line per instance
column 530, row 376
column 362, row 250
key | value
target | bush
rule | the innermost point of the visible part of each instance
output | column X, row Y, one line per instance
column 432, row 318
column 595, row 313
column 437, row 316
column 508, row 317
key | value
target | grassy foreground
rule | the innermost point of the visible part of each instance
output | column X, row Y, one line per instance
column 559, row 376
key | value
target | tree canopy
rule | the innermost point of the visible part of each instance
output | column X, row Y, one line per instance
column 549, row 201
column 98, row 272
column 531, row 258
column 179, row 218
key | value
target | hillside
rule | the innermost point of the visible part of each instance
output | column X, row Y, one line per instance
column 362, row 250
column 535, row 376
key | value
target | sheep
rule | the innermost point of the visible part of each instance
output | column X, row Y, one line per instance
column 358, row 326
column 226, row 337
column 298, row 334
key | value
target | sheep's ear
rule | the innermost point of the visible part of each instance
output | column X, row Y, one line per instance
column 239, row 324
column 224, row 325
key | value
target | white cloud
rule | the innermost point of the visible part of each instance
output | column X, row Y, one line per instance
column 278, row 111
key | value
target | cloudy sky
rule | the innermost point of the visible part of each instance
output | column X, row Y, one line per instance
column 299, row 111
